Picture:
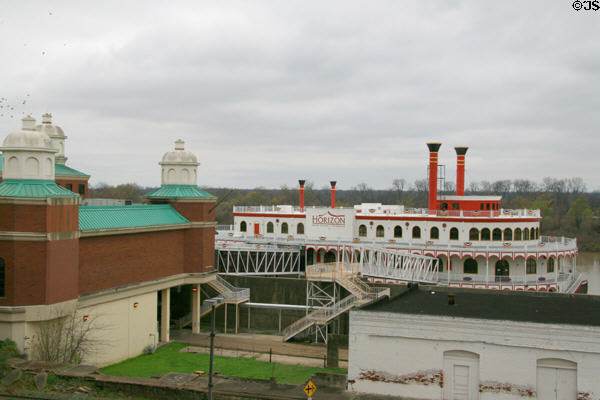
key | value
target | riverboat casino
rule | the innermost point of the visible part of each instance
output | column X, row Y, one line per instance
column 477, row 243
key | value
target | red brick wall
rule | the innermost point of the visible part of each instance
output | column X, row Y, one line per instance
column 62, row 271
column 116, row 260
column 199, row 249
column 196, row 212
column 25, row 272
column 39, row 218
column 74, row 186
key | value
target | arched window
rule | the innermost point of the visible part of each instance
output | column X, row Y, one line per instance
column 453, row 233
column 362, row 231
column 507, row 234
column 397, row 231
column 485, row 234
column 440, row 264
column 470, row 266
column 526, row 234
column 534, row 233
column 497, row 234
column 531, row 266
column 2, row 277
column 474, row 234
column 243, row 227
column 550, row 266
column 269, row 227
column 416, row 232
column 284, row 227
column 444, row 206
column 300, row 229
column 379, row 232
column 518, row 234
column 434, row 233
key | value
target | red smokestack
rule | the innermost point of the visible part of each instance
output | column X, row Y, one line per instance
column 433, row 170
column 301, row 182
column 460, row 170
column 332, row 194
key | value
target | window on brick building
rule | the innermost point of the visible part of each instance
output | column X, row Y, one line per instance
column 2, row 280
column 81, row 188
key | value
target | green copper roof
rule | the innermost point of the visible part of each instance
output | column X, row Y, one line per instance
column 187, row 191
column 94, row 218
column 59, row 169
column 33, row 189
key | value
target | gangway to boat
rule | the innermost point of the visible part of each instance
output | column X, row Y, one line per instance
column 257, row 259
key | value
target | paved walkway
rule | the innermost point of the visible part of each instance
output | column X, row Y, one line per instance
column 256, row 343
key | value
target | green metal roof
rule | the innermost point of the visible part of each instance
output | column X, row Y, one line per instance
column 33, row 189
column 186, row 191
column 59, row 169
column 94, row 218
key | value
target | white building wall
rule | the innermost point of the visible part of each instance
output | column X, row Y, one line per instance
column 389, row 348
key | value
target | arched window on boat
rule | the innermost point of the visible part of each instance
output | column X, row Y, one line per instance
column 470, row 266
column 526, row 234
column 362, row 231
column 497, row 234
column 507, row 235
column 269, row 227
column 531, row 266
column 300, row 229
column 243, row 226
column 397, row 231
column 284, row 227
column 380, row 232
column 485, row 234
column 440, row 267
column 550, row 266
column 518, row 234
column 416, row 232
column 434, row 233
column 534, row 233
column 453, row 233
column 444, row 206
column 474, row 234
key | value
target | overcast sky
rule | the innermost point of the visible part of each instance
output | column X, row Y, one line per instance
column 266, row 93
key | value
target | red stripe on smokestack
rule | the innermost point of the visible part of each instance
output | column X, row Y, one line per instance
column 301, row 182
column 433, row 169
column 332, row 194
column 460, row 170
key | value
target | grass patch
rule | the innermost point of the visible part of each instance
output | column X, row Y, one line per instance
column 169, row 359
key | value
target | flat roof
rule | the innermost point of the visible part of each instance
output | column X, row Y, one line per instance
column 539, row 307
column 470, row 198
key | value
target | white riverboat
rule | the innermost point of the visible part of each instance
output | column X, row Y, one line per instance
column 477, row 244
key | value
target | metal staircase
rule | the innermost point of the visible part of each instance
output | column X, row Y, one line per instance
column 360, row 294
column 228, row 294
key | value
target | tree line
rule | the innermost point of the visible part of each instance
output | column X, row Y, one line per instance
column 568, row 209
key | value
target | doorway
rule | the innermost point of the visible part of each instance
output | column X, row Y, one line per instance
column 502, row 270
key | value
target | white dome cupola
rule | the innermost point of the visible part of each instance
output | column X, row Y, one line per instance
column 56, row 134
column 28, row 154
column 179, row 167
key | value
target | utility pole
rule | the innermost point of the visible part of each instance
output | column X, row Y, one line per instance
column 212, row 349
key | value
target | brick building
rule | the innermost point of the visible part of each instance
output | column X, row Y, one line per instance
column 113, row 265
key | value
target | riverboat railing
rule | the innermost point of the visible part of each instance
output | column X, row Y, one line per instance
column 398, row 211
column 509, row 279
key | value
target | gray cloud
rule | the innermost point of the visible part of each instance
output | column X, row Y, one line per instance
column 269, row 92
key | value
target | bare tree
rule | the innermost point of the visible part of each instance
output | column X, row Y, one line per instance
column 65, row 339
column 524, row 186
column 399, row 184
column 421, row 185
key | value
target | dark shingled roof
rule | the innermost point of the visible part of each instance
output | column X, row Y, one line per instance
column 540, row 307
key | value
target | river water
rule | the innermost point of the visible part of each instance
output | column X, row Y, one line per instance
column 589, row 263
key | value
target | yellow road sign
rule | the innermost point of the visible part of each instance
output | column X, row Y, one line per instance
column 310, row 388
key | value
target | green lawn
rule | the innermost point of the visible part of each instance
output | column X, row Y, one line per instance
column 169, row 359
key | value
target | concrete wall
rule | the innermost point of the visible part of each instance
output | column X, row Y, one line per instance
column 121, row 330
column 403, row 355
